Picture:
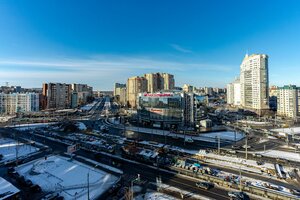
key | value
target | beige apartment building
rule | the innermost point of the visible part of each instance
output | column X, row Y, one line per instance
column 135, row 85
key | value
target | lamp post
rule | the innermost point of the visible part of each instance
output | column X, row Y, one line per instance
column 241, row 174
column 136, row 179
column 246, row 143
column 88, row 185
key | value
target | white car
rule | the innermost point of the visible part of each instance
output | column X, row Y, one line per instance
column 189, row 140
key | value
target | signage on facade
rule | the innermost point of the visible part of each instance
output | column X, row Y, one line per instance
column 154, row 110
column 158, row 95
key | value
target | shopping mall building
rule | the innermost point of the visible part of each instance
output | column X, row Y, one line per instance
column 169, row 110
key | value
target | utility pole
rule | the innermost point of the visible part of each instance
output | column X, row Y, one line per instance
column 17, row 152
column 240, row 179
column 184, row 137
column 218, row 144
column 246, row 147
column 88, row 185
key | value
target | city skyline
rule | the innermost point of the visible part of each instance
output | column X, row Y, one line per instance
column 101, row 43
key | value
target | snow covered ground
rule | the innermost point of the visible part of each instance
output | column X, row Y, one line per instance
column 7, row 189
column 281, row 154
column 206, row 137
column 292, row 130
column 81, row 126
column 253, row 122
column 10, row 148
column 116, row 170
column 155, row 196
column 6, row 118
column 23, row 127
column 88, row 106
column 225, row 135
column 185, row 193
column 236, row 163
column 67, row 177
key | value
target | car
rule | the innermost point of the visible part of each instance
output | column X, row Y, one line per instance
column 189, row 140
column 15, row 175
column 235, row 147
column 260, row 162
column 204, row 185
column 295, row 192
column 247, row 146
column 11, row 170
column 51, row 196
column 35, row 188
column 236, row 195
column 28, row 183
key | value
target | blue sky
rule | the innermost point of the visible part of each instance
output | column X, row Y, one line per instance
column 201, row 42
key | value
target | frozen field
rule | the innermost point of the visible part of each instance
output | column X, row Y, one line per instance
column 69, row 178
column 10, row 148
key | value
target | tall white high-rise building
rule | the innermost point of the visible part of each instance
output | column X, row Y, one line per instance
column 234, row 93
column 288, row 101
column 254, row 82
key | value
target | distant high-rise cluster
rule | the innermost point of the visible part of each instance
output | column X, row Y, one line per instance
column 62, row 95
column 151, row 82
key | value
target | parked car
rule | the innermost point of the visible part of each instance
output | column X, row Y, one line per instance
column 35, row 188
column 247, row 146
column 295, row 192
column 51, row 196
column 15, row 175
column 21, row 180
column 235, row 147
column 236, row 195
column 260, row 162
column 189, row 140
column 204, row 185
column 10, row 170
column 28, row 183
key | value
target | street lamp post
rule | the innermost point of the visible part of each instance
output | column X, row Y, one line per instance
column 136, row 179
column 241, row 174
column 219, row 144
column 88, row 185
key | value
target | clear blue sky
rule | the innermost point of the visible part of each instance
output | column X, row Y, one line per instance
column 101, row 42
